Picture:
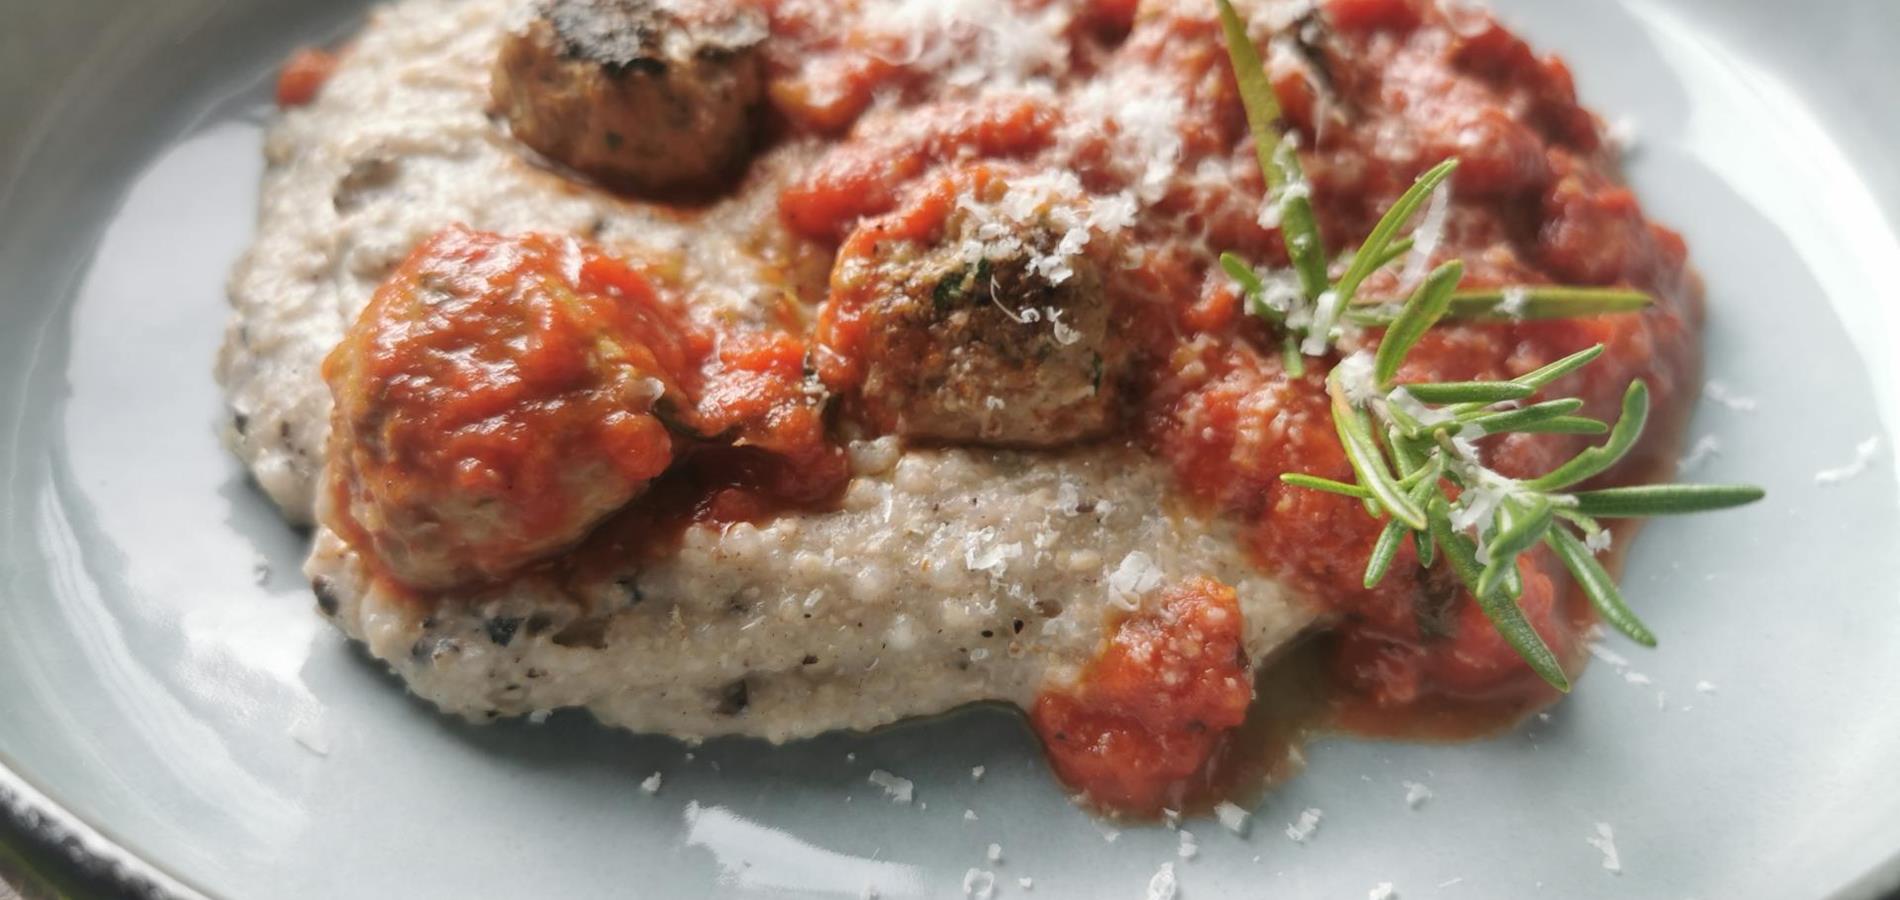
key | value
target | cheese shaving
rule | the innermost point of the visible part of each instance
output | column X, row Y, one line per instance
column 1605, row 841
column 1863, row 457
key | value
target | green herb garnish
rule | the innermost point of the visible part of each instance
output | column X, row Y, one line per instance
column 1413, row 447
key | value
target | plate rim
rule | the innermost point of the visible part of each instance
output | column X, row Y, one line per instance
column 58, row 830
column 53, row 830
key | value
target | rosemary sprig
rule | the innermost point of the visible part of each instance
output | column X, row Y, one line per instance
column 1323, row 303
column 1413, row 447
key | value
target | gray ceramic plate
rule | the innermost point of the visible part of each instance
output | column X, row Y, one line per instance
column 167, row 693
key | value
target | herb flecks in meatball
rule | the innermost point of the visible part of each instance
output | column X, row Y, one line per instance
column 495, row 400
column 980, row 313
column 656, row 97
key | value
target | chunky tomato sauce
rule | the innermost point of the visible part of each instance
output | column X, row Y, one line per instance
column 1134, row 730
column 1378, row 91
column 303, row 75
column 1382, row 90
column 503, row 379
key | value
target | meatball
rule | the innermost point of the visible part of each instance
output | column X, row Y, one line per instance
column 496, row 399
column 988, row 324
column 647, row 96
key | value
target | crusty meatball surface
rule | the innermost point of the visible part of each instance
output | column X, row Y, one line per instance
column 979, row 314
column 656, row 97
column 495, row 400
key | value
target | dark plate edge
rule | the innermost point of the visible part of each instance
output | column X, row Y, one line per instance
column 61, row 834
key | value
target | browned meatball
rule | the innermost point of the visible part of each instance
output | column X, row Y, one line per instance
column 992, row 327
column 648, row 96
column 498, row 397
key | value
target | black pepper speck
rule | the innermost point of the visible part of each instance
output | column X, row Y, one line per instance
column 734, row 698
column 326, row 595
column 501, row 629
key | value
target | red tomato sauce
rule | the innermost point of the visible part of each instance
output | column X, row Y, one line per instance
column 492, row 366
column 1396, row 87
column 1379, row 91
column 1146, row 716
column 303, row 76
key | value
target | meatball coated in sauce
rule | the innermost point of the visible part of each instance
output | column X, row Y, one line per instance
column 979, row 313
column 656, row 97
column 495, row 400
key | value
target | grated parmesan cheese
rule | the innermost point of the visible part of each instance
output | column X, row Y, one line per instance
column 900, row 790
column 1425, row 239
column 1513, row 303
column 993, row 558
column 1382, row 891
column 1190, row 846
column 308, row 734
column 1355, row 376
column 1163, row 885
column 1304, row 829
column 1319, row 335
column 979, row 883
column 1609, row 657
column 1705, row 447
column 1721, row 393
column 1133, row 579
column 1416, row 794
column 1622, row 135
column 1232, row 817
column 1863, row 457
column 651, row 784
column 1605, row 841
column 995, row 853
column 971, row 43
